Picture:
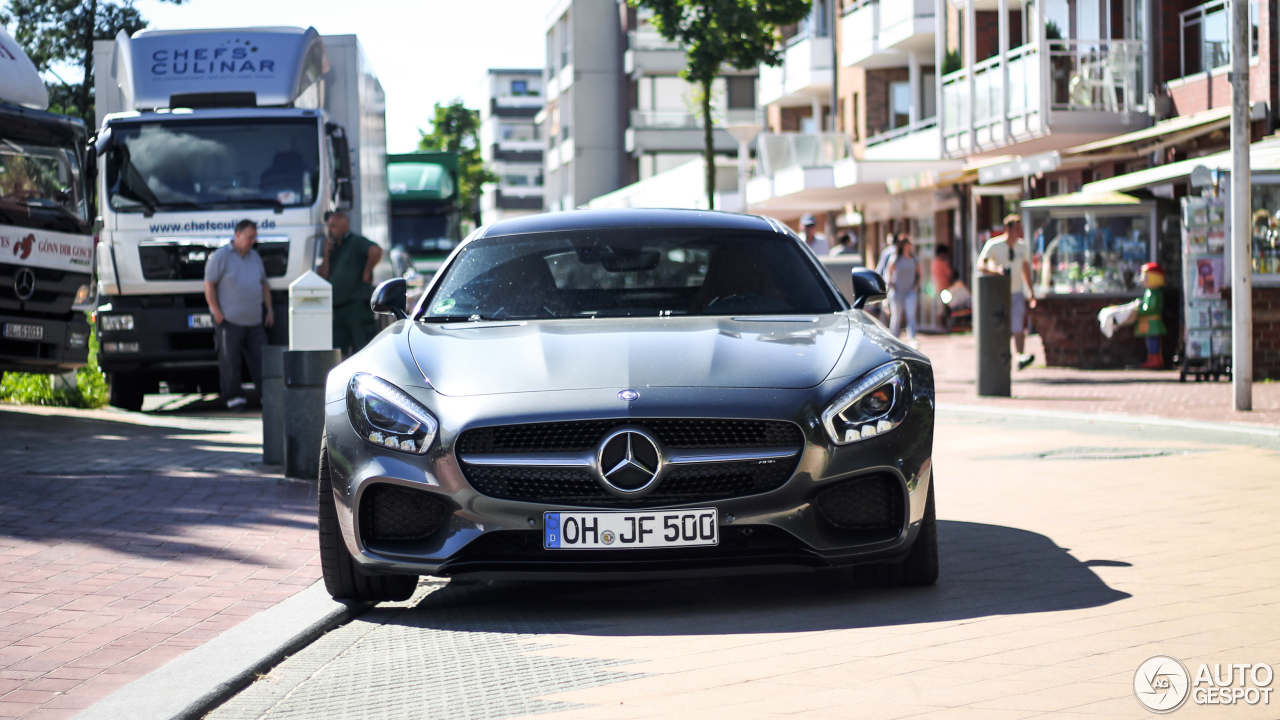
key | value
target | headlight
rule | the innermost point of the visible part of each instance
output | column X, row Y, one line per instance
column 874, row 405
column 385, row 415
column 112, row 323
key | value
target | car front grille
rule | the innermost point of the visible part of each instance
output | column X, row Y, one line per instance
column 395, row 512
column 689, row 483
column 869, row 503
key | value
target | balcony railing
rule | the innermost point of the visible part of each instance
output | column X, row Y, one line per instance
column 642, row 40
column 780, row 151
column 898, row 18
column 1083, row 75
column 681, row 120
column 902, row 132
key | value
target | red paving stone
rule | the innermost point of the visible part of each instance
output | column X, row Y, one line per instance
column 106, row 578
column 1154, row 393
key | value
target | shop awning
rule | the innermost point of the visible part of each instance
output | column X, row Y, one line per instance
column 1264, row 156
column 1083, row 199
column 1204, row 122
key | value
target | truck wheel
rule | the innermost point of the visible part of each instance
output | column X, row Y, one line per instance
column 126, row 393
column 343, row 578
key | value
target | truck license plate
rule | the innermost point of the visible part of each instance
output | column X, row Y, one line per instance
column 623, row 530
column 200, row 320
column 14, row 331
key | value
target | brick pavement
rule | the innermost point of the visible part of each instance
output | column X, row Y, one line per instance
column 1130, row 392
column 126, row 540
column 1070, row 554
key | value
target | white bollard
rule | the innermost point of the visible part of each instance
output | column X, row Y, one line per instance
column 310, row 313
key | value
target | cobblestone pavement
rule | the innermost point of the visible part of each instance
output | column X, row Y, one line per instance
column 1070, row 555
column 127, row 539
column 1130, row 392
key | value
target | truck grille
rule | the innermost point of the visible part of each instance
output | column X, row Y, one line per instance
column 181, row 261
column 54, row 294
column 689, row 483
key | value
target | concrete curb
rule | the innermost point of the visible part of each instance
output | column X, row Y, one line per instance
column 193, row 684
column 1201, row 425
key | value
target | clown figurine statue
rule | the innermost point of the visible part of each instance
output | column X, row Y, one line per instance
column 1150, row 325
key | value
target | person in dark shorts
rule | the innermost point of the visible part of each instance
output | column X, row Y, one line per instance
column 235, row 286
column 348, row 265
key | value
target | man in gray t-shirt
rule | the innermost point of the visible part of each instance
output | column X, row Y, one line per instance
column 235, row 285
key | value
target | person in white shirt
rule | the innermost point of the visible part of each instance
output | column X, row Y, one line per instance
column 816, row 241
column 1007, row 255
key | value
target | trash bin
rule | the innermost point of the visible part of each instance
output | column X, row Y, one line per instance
column 310, row 313
column 305, row 372
column 273, row 405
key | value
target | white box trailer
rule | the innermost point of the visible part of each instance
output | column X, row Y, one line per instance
column 46, row 237
column 199, row 129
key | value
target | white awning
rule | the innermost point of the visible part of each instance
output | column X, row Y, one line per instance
column 1264, row 156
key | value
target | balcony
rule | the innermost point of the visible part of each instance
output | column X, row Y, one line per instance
column 920, row 141
column 679, row 131
column 648, row 53
column 907, row 26
column 680, row 187
column 794, row 173
column 1077, row 92
column 805, row 74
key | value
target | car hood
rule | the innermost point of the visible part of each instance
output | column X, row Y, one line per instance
column 462, row 359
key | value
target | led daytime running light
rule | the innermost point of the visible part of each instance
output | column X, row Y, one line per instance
column 894, row 373
column 416, row 440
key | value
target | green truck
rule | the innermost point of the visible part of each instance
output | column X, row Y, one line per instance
column 426, row 219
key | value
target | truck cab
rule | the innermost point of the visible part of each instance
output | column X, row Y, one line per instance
column 46, row 237
column 205, row 128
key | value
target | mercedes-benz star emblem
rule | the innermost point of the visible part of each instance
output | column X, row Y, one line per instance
column 629, row 395
column 25, row 284
column 629, row 461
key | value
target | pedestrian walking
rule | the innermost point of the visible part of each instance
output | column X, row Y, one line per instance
column 348, row 265
column 1007, row 255
column 904, row 289
column 816, row 241
column 845, row 245
column 235, row 286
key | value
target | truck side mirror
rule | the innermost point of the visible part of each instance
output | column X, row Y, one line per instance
column 346, row 196
column 868, row 287
column 391, row 297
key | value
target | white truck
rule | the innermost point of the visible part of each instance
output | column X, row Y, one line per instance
column 46, row 236
column 199, row 129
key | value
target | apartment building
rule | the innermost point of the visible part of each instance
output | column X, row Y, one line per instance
column 510, row 144
column 939, row 117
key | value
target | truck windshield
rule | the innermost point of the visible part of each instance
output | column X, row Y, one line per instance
column 41, row 188
column 190, row 164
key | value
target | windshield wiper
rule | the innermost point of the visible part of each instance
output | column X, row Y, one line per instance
column 457, row 318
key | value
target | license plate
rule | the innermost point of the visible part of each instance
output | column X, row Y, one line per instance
column 14, row 331
column 200, row 320
column 629, row 530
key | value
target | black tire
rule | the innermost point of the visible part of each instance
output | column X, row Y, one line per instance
column 918, row 568
column 343, row 578
column 126, row 392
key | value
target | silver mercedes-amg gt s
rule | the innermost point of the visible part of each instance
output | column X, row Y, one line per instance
column 621, row 393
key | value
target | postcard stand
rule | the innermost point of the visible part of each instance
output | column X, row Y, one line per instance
column 1206, row 341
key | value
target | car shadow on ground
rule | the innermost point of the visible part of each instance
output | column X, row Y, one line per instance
column 987, row 570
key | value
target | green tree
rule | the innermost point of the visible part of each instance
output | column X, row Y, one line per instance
column 56, row 32
column 455, row 128
column 715, row 33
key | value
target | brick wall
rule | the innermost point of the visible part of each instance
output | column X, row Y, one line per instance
column 1069, row 328
column 877, row 97
column 1266, row 333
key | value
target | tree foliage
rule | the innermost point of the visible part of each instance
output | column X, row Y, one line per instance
column 715, row 33
column 55, row 32
column 455, row 128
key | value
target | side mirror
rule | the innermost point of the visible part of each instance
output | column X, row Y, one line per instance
column 868, row 287
column 390, row 298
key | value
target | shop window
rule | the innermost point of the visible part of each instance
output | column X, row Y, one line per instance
column 1089, row 250
column 1265, row 255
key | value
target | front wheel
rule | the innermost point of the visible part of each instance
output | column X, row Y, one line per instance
column 918, row 568
column 343, row 578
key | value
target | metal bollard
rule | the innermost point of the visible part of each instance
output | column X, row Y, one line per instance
column 305, row 372
column 991, row 328
column 273, row 405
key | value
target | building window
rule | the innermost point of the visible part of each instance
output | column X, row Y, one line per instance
column 1206, row 36
column 899, row 104
column 742, row 92
column 519, row 88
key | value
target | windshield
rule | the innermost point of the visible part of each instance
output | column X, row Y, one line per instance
column 630, row 273
column 274, row 163
column 40, row 187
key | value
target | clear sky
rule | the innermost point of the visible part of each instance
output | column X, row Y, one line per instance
column 423, row 51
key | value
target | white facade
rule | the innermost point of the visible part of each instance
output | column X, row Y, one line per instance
column 511, row 144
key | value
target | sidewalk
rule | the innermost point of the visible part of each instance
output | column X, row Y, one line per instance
column 1151, row 393
column 127, row 540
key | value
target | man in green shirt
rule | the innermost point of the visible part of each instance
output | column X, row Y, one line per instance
column 348, row 265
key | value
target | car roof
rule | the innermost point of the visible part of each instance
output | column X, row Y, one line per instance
column 629, row 218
